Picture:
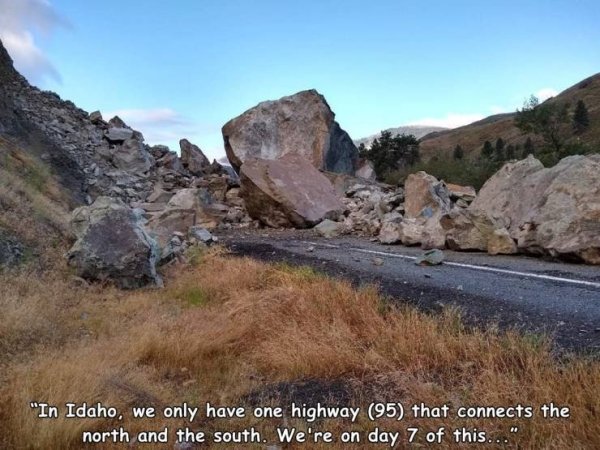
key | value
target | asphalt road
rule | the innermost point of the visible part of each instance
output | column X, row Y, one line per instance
column 526, row 293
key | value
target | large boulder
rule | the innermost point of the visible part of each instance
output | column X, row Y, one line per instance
column 500, row 243
column 166, row 223
column 407, row 231
column 288, row 192
column 366, row 170
column 329, row 229
column 425, row 195
column 301, row 124
column 113, row 245
column 192, row 158
column 553, row 211
column 458, row 192
column 208, row 212
column 510, row 194
column 468, row 230
column 132, row 156
column 434, row 235
column 118, row 135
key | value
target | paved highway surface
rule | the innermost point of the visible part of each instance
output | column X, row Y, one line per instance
column 513, row 291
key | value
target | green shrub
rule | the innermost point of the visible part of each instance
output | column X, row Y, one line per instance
column 193, row 296
column 465, row 172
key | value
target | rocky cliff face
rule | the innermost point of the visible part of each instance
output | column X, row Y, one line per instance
column 65, row 137
column 20, row 108
column 7, row 71
column 92, row 157
column 44, row 139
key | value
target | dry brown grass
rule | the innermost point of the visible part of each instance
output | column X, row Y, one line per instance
column 230, row 326
column 33, row 206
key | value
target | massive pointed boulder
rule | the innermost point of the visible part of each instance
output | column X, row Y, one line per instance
column 112, row 245
column 301, row 124
column 553, row 211
column 288, row 192
column 192, row 158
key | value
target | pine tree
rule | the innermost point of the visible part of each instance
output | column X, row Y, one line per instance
column 528, row 148
column 510, row 152
column 458, row 152
column 487, row 151
column 581, row 118
column 546, row 120
column 500, row 149
column 362, row 150
column 388, row 153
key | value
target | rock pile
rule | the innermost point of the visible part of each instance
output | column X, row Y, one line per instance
column 426, row 212
column 523, row 208
column 371, row 206
column 108, row 157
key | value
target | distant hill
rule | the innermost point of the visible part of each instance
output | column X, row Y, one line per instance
column 472, row 137
column 417, row 131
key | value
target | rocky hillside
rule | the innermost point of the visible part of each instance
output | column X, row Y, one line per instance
column 55, row 157
column 472, row 137
column 126, row 208
column 417, row 131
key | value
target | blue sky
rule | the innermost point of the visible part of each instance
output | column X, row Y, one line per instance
column 182, row 68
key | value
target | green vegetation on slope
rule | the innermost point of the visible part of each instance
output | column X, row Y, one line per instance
column 579, row 130
column 34, row 207
column 568, row 124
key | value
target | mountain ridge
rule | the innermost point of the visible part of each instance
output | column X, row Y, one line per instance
column 472, row 137
column 419, row 131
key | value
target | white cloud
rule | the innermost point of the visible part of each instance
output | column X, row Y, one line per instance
column 29, row 60
column 164, row 126
column 159, row 125
column 20, row 21
column 546, row 93
column 449, row 121
column 153, row 116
